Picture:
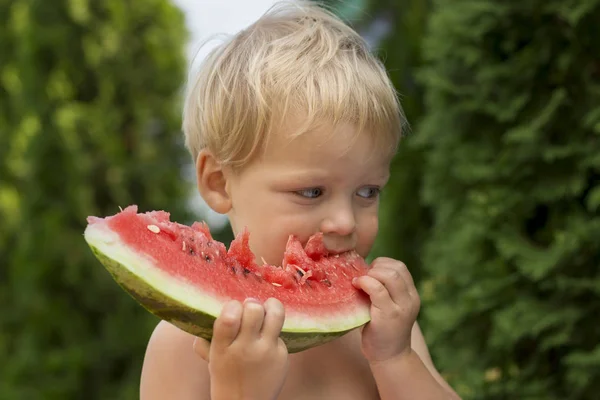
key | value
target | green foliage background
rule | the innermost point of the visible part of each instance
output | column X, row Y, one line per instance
column 512, row 143
column 89, row 121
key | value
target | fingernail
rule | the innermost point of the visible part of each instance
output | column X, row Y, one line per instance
column 354, row 280
column 251, row 300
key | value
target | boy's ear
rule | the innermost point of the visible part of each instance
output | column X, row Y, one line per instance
column 212, row 182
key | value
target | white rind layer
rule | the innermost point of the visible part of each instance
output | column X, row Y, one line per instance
column 107, row 242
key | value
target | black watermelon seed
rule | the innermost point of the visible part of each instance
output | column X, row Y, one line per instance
column 207, row 258
column 192, row 252
column 246, row 271
column 326, row 282
column 300, row 273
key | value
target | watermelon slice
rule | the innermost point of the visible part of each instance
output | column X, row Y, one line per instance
column 180, row 274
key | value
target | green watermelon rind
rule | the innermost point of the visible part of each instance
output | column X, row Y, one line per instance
column 189, row 319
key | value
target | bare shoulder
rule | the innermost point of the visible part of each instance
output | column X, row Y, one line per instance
column 171, row 369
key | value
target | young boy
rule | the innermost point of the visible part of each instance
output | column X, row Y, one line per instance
column 293, row 124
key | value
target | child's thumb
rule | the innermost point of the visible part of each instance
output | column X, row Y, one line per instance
column 202, row 347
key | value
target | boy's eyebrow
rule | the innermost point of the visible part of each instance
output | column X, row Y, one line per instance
column 322, row 174
column 305, row 174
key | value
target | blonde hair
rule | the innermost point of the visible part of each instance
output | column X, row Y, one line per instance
column 297, row 60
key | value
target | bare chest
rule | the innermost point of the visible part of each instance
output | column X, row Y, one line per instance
column 333, row 371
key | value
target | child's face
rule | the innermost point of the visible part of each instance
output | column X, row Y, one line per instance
column 316, row 182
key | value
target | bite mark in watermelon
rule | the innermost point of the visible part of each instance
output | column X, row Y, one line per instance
column 182, row 275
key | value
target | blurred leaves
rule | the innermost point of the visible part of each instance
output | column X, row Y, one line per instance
column 511, row 161
column 89, row 121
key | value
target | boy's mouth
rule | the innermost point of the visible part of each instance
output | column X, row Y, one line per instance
column 338, row 249
column 318, row 246
column 338, row 252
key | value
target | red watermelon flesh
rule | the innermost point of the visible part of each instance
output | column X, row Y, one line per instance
column 170, row 266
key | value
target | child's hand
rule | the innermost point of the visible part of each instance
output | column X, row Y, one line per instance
column 394, row 309
column 246, row 358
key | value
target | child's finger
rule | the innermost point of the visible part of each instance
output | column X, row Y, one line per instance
column 380, row 297
column 394, row 282
column 252, row 319
column 402, row 270
column 227, row 325
column 274, row 317
column 202, row 348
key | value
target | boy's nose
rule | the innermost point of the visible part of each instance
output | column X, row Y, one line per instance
column 339, row 221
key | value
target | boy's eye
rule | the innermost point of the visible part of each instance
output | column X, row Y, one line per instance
column 311, row 193
column 368, row 192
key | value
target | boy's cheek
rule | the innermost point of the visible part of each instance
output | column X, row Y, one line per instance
column 368, row 229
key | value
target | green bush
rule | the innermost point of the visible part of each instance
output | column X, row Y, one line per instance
column 511, row 139
column 89, row 121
